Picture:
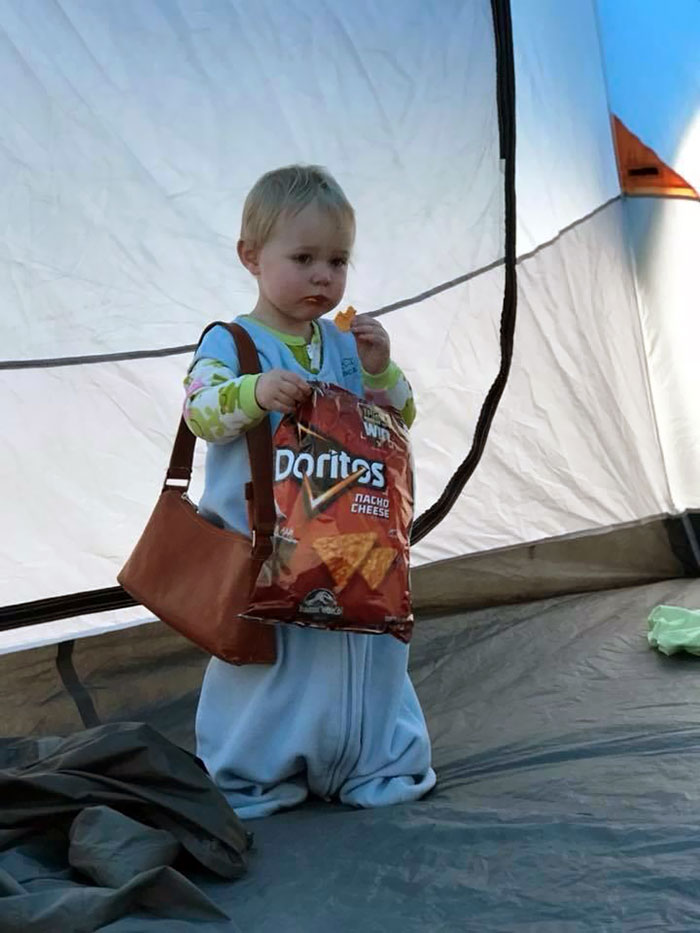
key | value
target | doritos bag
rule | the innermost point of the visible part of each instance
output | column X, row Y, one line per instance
column 343, row 484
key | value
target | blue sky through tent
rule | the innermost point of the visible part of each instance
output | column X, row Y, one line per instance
column 652, row 62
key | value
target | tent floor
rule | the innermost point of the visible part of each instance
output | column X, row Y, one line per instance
column 568, row 755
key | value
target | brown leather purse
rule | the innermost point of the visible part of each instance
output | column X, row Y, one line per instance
column 195, row 576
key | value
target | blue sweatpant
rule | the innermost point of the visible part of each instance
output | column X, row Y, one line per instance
column 336, row 715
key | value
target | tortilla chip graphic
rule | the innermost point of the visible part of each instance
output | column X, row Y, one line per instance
column 376, row 567
column 343, row 319
column 343, row 554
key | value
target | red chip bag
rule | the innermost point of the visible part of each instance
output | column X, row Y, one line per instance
column 343, row 484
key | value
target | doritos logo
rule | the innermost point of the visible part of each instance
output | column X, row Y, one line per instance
column 334, row 465
column 323, row 471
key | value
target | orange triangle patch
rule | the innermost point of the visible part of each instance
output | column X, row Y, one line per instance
column 642, row 171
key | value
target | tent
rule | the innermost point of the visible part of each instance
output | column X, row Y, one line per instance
column 526, row 181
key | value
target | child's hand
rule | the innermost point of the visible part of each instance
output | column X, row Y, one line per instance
column 280, row 390
column 373, row 344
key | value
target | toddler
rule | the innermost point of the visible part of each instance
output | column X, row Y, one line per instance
column 336, row 715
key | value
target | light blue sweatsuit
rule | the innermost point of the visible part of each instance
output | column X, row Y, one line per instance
column 336, row 715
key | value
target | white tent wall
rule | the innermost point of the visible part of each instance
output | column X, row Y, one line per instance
column 136, row 129
column 649, row 290
column 574, row 447
column 665, row 237
column 560, row 458
column 653, row 73
column 84, row 471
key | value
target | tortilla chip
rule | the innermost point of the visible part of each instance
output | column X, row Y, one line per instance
column 343, row 319
column 376, row 567
column 343, row 554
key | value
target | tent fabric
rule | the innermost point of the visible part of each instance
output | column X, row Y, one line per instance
column 566, row 751
column 664, row 237
column 651, row 69
column 565, row 154
column 91, row 825
column 566, row 754
column 653, row 85
column 144, row 127
column 148, row 672
column 642, row 171
column 621, row 556
column 558, row 457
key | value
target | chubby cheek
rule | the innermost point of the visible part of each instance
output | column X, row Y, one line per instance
column 288, row 283
column 339, row 284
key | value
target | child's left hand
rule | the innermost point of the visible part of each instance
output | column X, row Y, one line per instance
column 373, row 344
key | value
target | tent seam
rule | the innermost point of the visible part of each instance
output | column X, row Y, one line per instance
column 129, row 355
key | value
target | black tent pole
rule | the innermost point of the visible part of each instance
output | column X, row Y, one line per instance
column 505, row 90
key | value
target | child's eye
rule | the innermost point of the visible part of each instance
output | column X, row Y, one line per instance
column 303, row 258
column 339, row 262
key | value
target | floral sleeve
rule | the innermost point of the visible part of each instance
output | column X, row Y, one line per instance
column 391, row 388
column 219, row 404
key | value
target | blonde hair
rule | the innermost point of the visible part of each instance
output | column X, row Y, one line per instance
column 289, row 190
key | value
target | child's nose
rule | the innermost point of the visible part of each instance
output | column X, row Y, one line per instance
column 321, row 275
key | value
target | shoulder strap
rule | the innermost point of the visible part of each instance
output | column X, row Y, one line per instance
column 259, row 440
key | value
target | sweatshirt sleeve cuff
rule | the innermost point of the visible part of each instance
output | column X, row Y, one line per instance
column 247, row 400
column 383, row 380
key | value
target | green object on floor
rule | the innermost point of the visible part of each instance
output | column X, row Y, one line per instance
column 672, row 629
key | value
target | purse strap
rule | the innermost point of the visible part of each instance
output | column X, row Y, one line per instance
column 258, row 438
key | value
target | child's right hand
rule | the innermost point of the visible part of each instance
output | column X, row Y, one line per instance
column 280, row 390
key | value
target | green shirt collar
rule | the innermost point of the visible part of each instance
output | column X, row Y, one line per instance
column 290, row 339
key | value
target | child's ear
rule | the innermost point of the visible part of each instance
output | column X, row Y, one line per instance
column 249, row 256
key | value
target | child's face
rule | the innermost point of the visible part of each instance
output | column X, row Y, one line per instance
column 302, row 268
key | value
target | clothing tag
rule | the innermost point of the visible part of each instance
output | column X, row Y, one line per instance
column 314, row 351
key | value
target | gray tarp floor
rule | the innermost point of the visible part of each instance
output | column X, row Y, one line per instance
column 568, row 758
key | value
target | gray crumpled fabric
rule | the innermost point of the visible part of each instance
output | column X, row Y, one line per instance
column 112, row 849
column 97, row 829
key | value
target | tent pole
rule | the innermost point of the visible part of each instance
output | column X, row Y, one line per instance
column 505, row 90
